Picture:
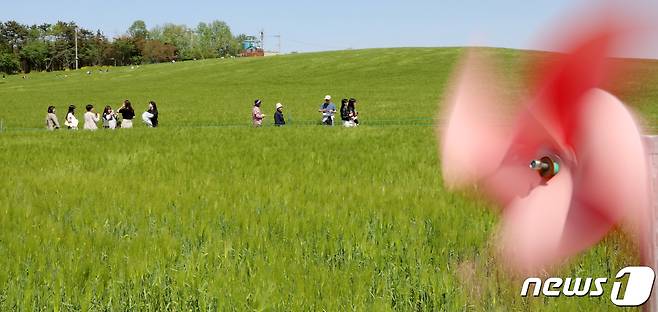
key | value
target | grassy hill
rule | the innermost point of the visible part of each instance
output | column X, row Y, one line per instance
column 221, row 91
column 208, row 213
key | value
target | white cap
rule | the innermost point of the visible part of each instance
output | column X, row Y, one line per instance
column 328, row 97
column 279, row 105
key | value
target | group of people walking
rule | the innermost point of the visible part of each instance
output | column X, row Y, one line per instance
column 348, row 113
column 257, row 115
column 121, row 118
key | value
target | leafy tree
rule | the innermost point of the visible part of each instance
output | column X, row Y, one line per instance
column 13, row 35
column 52, row 46
column 9, row 63
column 62, row 49
column 34, row 55
column 213, row 40
column 235, row 46
column 155, row 51
column 138, row 30
column 179, row 36
column 93, row 49
column 124, row 50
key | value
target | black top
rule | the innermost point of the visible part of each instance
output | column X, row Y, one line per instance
column 344, row 113
column 278, row 118
column 127, row 113
column 154, row 120
column 352, row 110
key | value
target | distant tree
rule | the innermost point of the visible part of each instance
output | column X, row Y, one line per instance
column 139, row 35
column 179, row 36
column 138, row 30
column 203, row 45
column 62, row 49
column 155, row 51
column 4, row 43
column 212, row 40
column 52, row 46
column 9, row 63
column 156, row 33
column 35, row 51
column 124, row 50
column 235, row 46
column 35, row 55
column 110, row 54
column 13, row 35
column 93, row 49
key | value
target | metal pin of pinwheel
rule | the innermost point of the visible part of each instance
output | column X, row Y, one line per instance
column 567, row 167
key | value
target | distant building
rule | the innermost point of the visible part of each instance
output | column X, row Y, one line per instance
column 252, row 46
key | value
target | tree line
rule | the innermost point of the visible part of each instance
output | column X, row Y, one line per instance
column 50, row 47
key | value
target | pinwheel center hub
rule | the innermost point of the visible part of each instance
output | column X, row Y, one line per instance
column 547, row 167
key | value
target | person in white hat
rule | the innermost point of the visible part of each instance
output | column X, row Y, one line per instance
column 278, row 116
column 328, row 109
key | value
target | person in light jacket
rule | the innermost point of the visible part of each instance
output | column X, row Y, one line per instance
column 328, row 109
column 256, row 115
column 51, row 119
column 91, row 118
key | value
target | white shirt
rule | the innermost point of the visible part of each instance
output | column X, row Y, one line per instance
column 110, row 121
column 146, row 117
column 90, row 121
column 71, row 121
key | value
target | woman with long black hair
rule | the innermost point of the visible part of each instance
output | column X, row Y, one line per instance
column 70, row 121
column 127, row 114
column 150, row 117
column 353, row 113
column 345, row 114
column 109, row 118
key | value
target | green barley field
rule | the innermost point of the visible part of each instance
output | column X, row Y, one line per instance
column 207, row 213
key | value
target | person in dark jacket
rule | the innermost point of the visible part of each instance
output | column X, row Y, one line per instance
column 278, row 116
column 353, row 113
column 345, row 114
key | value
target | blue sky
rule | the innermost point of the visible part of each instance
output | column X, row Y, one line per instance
column 323, row 25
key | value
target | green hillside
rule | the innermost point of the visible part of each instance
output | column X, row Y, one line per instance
column 390, row 83
column 207, row 213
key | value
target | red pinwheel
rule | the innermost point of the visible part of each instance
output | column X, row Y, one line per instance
column 567, row 167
